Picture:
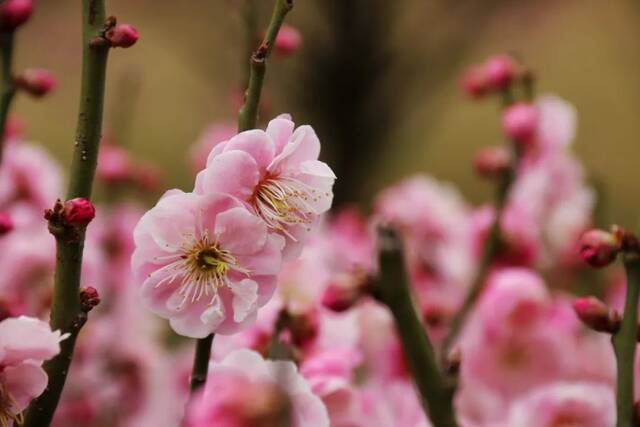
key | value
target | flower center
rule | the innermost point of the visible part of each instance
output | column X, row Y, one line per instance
column 284, row 201
column 202, row 267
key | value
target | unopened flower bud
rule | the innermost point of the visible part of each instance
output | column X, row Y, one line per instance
column 122, row 35
column 14, row 13
column 453, row 361
column 303, row 327
column 89, row 298
column 6, row 223
column 78, row 211
column 519, row 122
column 499, row 71
column 596, row 315
column 36, row 82
column 491, row 162
column 340, row 298
column 599, row 248
column 474, row 82
column 287, row 42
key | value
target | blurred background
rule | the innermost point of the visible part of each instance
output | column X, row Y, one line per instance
column 378, row 80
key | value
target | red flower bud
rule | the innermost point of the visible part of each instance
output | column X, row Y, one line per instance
column 89, row 298
column 14, row 13
column 36, row 82
column 491, row 162
column 6, row 223
column 474, row 82
column 340, row 298
column 79, row 211
column 519, row 122
column 499, row 71
column 596, row 315
column 599, row 248
column 122, row 35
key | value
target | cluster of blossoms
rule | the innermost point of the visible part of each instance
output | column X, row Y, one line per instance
column 250, row 256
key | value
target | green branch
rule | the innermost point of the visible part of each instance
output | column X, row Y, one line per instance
column 248, row 115
column 65, row 308
column 393, row 290
column 7, row 89
column 624, row 344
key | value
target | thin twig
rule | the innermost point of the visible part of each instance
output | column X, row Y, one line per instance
column 201, row 362
column 248, row 115
column 624, row 344
column 66, row 307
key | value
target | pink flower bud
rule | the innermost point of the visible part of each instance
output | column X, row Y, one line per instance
column 491, row 162
column 519, row 122
column 340, row 298
column 14, row 13
column 599, row 248
column 499, row 71
column 596, row 315
column 122, row 35
column 36, row 82
column 6, row 223
column 474, row 82
column 78, row 211
column 287, row 42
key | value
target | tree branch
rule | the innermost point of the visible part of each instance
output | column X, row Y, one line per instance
column 624, row 343
column 66, row 308
column 248, row 115
column 393, row 290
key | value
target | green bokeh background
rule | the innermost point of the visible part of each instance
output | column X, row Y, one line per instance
column 190, row 56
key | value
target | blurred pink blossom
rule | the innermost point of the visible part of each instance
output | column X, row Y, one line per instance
column 560, row 404
column 244, row 390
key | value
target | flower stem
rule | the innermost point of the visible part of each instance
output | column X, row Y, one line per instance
column 7, row 90
column 624, row 344
column 491, row 249
column 201, row 362
column 248, row 115
column 65, row 308
column 393, row 290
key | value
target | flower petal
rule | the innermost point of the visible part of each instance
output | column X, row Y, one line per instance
column 304, row 145
column 280, row 130
column 256, row 143
column 245, row 299
column 24, row 382
column 24, row 338
column 233, row 172
column 240, row 232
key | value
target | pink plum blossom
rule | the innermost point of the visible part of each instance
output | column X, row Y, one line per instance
column 25, row 343
column 277, row 173
column 213, row 135
column 330, row 375
column 549, row 205
column 565, row 404
column 245, row 390
column 205, row 262
column 28, row 175
column 509, row 345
